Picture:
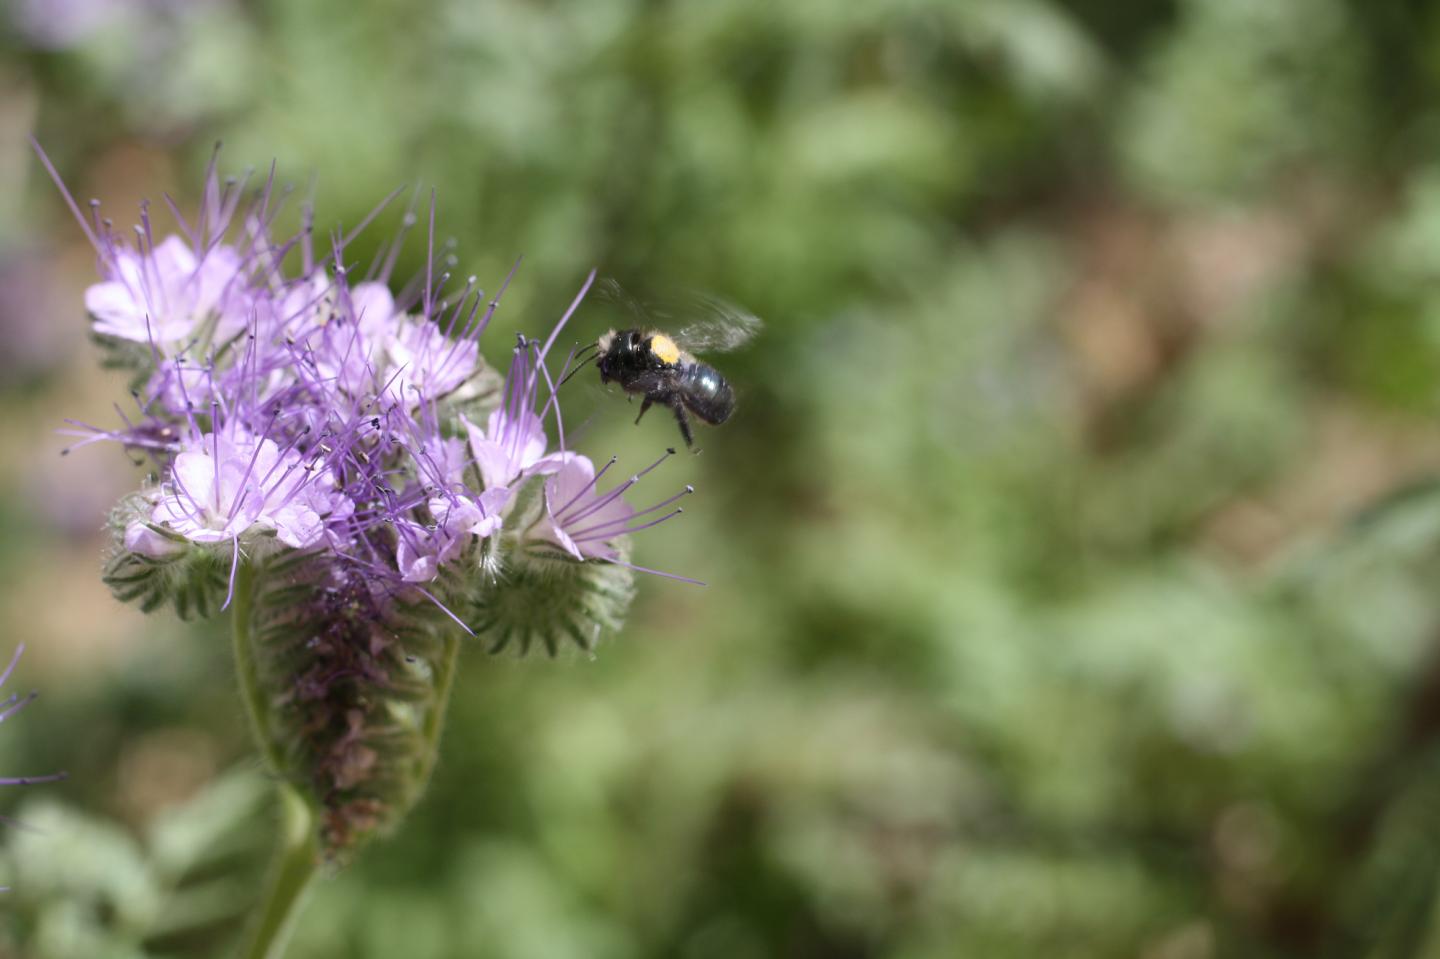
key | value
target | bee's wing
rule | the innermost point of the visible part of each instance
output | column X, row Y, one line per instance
column 698, row 322
column 608, row 290
column 713, row 325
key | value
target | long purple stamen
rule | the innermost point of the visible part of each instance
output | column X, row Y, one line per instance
column 65, row 193
column 613, row 528
column 14, row 704
column 33, row 780
column 234, row 565
column 656, row 572
column 609, row 497
column 249, row 467
column 14, row 660
column 586, row 488
column 574, row 305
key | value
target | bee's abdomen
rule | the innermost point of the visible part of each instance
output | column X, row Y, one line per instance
column 706, row 393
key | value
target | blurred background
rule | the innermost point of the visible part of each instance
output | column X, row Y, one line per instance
column 1072, row 559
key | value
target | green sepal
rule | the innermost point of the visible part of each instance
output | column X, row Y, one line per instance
column 122, row 354
column 193, row 578
column 545, row 598
column 528, row 503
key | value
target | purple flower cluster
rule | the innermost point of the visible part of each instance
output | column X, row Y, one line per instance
column 286, row 401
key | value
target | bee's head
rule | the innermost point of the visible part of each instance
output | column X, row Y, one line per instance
column 607, row 353
column 622, row 342
column 618, row 351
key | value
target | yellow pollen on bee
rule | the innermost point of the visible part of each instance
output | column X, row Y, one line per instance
column 664, row 348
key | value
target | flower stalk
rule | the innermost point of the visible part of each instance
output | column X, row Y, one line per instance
column 297, row 856
column 246, row 670
column 297, row 860
column 435, row 719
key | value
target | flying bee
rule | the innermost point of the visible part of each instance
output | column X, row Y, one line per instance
column 661, row 368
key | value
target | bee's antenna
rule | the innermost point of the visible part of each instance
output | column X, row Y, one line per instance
column 578, row 367
column 581, row 361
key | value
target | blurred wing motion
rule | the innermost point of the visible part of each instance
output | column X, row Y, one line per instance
column 716, row 326
column 698, row 322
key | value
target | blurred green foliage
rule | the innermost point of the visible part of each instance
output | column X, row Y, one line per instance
column 1072, row 558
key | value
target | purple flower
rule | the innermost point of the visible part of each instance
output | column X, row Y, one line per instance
column 460, row 518
column 513, row 444
column 165, row 295
column 426, row 362
column 224, row 485
column 585, row 522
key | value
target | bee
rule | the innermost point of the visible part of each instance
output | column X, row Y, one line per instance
column 661, row 368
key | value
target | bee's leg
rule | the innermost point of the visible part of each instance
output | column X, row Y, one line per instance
column 683, row 419
column 643, row 407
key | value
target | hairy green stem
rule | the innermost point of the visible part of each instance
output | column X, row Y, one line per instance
column 444, row 679
column 290, row 879
column 298, row 854
column 257, row 707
